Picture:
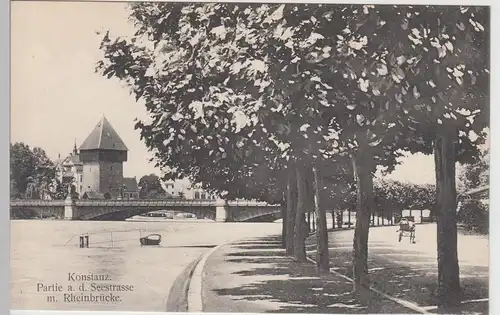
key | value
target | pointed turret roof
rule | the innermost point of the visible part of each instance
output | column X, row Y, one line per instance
column 103, row 137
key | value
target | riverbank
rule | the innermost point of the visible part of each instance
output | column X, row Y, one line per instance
column 39, row 255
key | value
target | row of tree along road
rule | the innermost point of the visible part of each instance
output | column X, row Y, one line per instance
column 284, row 103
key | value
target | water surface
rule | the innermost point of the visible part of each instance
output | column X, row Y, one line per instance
column 46, row 252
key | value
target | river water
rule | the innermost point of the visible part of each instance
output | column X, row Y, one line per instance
column 46, row 253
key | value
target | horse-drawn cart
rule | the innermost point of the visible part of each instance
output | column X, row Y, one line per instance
column 407, row 229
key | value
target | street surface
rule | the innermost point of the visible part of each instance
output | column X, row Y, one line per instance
column 253, row 275
column 409, row 271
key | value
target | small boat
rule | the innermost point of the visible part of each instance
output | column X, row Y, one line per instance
column 152, row 239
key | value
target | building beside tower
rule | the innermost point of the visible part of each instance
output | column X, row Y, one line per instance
column 96, row 169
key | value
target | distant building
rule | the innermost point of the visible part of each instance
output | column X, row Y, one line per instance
column 196, row 192
column 130, row 188
column 70, row 170
column 172, row 189
column 96, row 169
column 103, row 153
column 92, row 195
column 185, row 189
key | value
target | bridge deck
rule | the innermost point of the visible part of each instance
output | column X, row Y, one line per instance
column 139, row 203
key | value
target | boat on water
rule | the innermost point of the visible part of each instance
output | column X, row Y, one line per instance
column 152, row 216
column 161, row 216
column 183, row 215
column 151, row 239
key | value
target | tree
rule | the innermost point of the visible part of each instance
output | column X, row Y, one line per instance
column 272, row 93
column 437, row 68
column 238, row 146
column 395, row 195
column 59, row 189
column 458, row 88
column 150, row 187
column 290, row 84
column 476, row 175
column 474, row 214
column 30, row 168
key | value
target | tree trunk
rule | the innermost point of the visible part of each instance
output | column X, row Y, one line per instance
column 364, row 181
column 291, row 205
column 314, row 219
column 299, row 249
column 283, row 223
column 448, row 291
column 322, row 255
column 333, row 219
column 309, row 220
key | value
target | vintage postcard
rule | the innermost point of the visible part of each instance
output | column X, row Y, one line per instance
column 250, row 157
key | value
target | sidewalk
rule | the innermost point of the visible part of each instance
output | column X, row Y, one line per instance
column 255, row 276
column 409, row 271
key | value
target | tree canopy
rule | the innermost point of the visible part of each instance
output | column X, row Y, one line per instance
column 241, row 96
column 29, row 167
column 150, row 187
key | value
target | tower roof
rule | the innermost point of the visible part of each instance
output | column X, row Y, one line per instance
column 103, row 137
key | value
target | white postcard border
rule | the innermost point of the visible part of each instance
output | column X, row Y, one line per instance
column 5, row 137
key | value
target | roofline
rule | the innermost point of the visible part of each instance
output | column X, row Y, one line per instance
column 100, row 132
column 104, row 150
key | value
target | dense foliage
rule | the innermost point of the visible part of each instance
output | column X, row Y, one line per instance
column 150, row 188
column 259, row 100
column 31, row 171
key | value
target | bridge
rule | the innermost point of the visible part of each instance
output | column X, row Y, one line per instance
column 84, row 209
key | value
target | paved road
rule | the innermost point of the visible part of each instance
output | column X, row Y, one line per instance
column 409, row 271
column 254, row 275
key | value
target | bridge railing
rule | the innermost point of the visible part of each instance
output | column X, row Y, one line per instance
column 36, row 202
column 144, row 203
column 140, row 203
column 242, row 203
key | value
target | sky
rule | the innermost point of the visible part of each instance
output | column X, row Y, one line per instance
column 57, row 99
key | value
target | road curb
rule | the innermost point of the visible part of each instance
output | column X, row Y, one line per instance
column 404, row 303
column 195, row 290
column 177, row 296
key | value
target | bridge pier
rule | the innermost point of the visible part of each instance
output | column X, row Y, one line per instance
column 222, row 211
column 69, row 208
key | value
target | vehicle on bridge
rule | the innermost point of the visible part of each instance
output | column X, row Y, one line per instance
column 407, row 228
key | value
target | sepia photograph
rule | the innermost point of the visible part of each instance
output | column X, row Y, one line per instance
column 238, row 157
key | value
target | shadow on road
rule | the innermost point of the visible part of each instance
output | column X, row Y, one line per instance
column 259, row 275
column 406, row 273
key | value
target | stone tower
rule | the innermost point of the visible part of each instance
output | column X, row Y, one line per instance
column 103, row 154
